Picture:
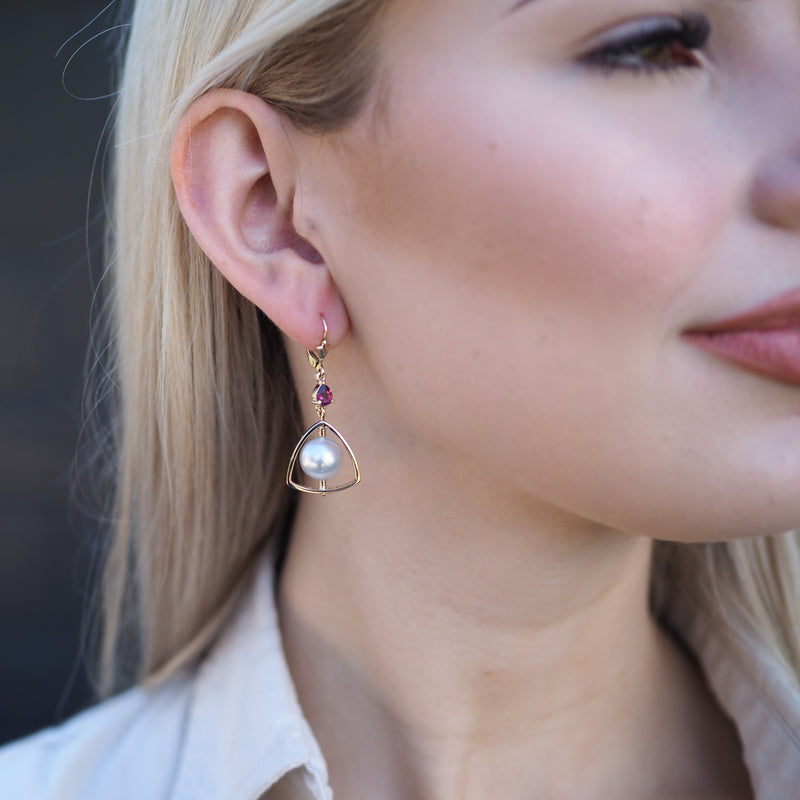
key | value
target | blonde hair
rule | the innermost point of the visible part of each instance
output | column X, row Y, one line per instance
column 207, row 412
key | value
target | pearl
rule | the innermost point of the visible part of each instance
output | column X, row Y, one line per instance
column 320, row 458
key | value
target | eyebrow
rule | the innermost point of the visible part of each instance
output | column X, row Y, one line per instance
column 517, row 6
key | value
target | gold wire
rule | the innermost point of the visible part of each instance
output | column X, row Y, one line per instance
column 315, row 359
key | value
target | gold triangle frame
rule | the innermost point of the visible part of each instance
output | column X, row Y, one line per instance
column 323, row 487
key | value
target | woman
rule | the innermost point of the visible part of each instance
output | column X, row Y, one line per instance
column 546, row 257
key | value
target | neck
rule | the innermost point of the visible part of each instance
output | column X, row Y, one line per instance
column 503, row 642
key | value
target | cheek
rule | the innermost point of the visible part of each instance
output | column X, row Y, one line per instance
column 534, row 215
column 528, row 269
column 519, row 257
column 587, row 215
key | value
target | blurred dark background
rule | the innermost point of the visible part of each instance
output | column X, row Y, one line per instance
column 50, row 260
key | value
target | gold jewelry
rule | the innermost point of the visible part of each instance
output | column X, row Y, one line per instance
column 317, row 453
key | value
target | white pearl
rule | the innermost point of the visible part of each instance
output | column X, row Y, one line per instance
column 320, row 458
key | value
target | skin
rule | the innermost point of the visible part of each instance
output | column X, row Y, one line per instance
column 507, row 246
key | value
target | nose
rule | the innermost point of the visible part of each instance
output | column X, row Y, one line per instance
column 776, row 191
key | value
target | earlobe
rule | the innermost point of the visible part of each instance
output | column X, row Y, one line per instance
column 235, row 174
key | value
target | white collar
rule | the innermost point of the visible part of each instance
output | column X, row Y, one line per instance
column 245, row 727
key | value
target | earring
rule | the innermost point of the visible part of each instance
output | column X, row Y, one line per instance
column 319, row 452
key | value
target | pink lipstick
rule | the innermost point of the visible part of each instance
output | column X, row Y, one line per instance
column 764, row 339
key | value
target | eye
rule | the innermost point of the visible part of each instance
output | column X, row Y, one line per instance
column 658, row 44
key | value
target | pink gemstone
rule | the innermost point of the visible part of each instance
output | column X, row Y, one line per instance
column 324, row 395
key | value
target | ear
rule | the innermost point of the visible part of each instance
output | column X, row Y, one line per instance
column 235, row 173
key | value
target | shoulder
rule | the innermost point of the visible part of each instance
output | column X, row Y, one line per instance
column 125, row 747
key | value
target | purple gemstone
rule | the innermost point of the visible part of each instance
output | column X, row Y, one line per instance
column 324, row 395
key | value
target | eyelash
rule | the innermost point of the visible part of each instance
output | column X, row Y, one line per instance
column 656, row 45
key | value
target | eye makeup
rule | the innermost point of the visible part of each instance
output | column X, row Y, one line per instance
column 653, row 44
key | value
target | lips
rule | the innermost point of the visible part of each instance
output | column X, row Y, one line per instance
column 764, row 339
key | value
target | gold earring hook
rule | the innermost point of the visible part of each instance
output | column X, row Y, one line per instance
column 317, row 356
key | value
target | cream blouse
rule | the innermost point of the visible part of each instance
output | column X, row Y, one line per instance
column 232, row 728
